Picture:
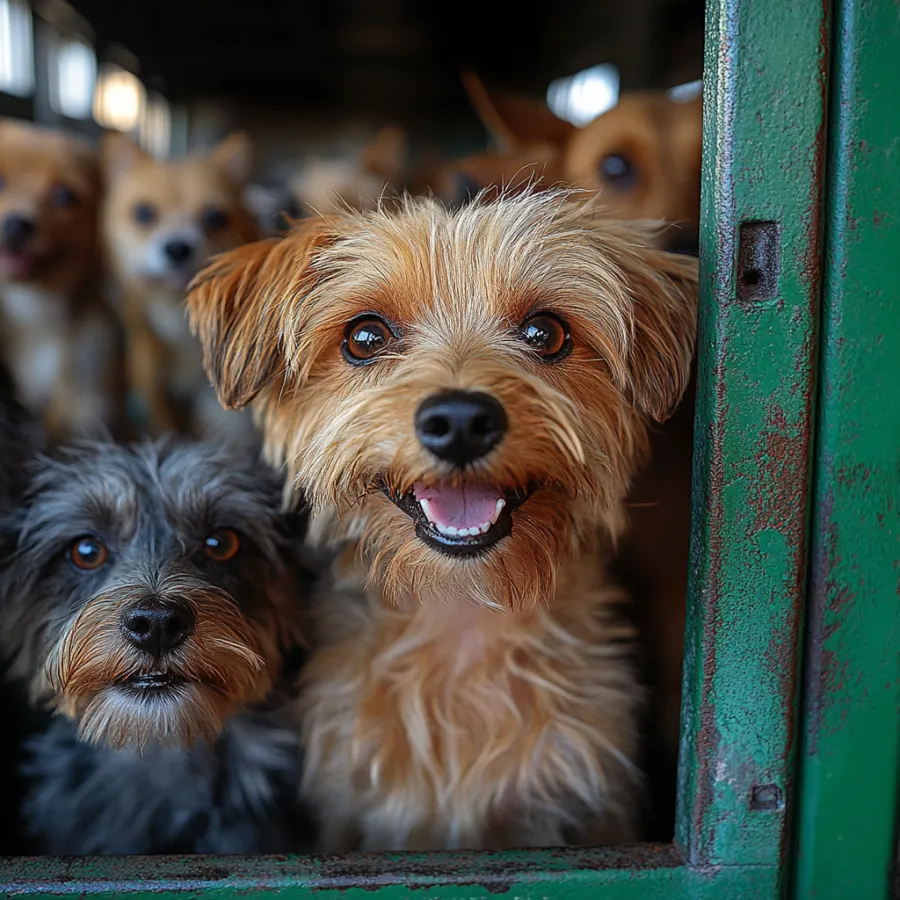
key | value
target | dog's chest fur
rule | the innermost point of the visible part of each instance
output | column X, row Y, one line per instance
column 464, row 727
column 179, row 359
column 35, row 326
column 166, row 318
column 63, row 353
column 237, row 795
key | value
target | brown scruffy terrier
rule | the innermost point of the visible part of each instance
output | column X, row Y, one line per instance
column 464, row 395
column 57, row 337
column 162, row 221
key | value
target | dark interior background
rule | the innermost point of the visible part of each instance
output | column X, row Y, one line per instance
column 366, row 62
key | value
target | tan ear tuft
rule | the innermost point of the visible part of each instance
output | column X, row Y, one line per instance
column 119, row 154
column 234, row 156
column 665, row 330
column 663, row 289
column 238, row 304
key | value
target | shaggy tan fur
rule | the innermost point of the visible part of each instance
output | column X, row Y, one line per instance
column 462, row 702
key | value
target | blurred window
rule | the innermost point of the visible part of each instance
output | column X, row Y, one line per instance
column 119, row 99
column 684, row 93
column 156, row 126
column 16, row 48
column 73, row 76
column 582, row 97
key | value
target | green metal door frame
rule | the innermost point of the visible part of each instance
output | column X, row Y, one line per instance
column 765, row 81
column 766, row 194
column 849, row 797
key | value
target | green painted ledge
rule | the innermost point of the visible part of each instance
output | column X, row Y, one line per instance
column 645, row 871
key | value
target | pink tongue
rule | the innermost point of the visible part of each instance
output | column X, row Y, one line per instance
column 14, row 264
column 462, row 507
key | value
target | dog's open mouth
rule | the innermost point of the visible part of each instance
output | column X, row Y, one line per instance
column 14, row 264
column 460, row 520
column 154, row 681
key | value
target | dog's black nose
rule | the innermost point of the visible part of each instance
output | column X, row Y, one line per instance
column 178, row 251
column 156, row 627
column 460, row 426
column 17, row 231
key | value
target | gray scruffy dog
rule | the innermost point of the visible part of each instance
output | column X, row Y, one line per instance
column 154, row 599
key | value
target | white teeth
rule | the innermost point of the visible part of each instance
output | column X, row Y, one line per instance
column 483, row 528
column 451, row 530
column 471, row 531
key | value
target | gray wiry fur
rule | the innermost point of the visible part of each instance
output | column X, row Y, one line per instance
column 153, row 505
column 234, row 796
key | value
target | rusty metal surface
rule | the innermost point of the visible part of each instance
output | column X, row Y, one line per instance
column 849, row 809
column 647, row 872
column 494, row 872
column 764, row 110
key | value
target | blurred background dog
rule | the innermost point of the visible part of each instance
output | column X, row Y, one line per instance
column 161, row 222
column 56, row 334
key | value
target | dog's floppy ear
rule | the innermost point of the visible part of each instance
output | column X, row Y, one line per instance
column 237, row 308
column 119, row 154
column 664, row 287
column 515, row 120
column 234, row 156
column 661, row 290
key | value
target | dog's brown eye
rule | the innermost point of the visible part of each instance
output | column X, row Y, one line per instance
column 618, row 171
column 365, row 339
column 63, row 197
column 214, row 219
column 88, row 553
column 222, row 545
column 144, row 213
column 548, row 336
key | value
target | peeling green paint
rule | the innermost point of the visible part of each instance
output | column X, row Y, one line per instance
column 619, row 874
column 850, row 763
column 764, row 128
